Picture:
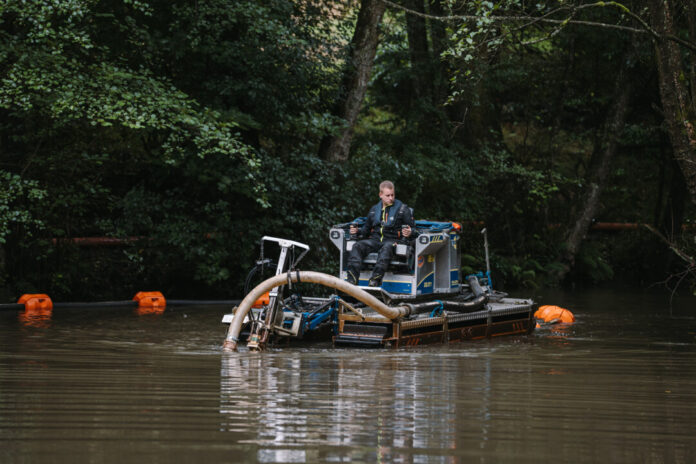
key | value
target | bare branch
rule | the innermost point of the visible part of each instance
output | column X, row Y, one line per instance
column 550, row 35
column 683, row 42
column 690, row 260
column 644, row 29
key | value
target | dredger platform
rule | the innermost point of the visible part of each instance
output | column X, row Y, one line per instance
column 423, row 299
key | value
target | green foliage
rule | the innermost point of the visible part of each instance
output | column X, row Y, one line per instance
column 193, row 128
column 591, row 263
column 89, row 116
column 55, row 68
column 18, row 198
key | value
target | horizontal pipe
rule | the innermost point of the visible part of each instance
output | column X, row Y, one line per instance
column 448, row 305
column 426, row 307
column 313, row 277
column 470, row 305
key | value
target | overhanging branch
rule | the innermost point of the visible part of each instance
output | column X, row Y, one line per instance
column 689, row 259
column 644, row 29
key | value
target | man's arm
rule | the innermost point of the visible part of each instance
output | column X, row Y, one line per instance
column 408, row 225
column 364, row 230
column 368, row 225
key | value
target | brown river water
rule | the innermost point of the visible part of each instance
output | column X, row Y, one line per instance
column 111, row 386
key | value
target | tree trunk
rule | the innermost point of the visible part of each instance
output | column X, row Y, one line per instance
column 418, row 51
column 691, row 18
column 599, row 167
column 676, row 102
column 438, row 35
column 672, row 196
column 356, row 76
column 4, row 291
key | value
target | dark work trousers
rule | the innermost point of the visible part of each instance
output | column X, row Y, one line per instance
column 361, row 249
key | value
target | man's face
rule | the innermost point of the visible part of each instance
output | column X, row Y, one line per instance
column 387, row 196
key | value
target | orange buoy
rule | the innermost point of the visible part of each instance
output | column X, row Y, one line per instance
column 36, row 302
column 539, row 314
column 150, row 302
column 264, row 300
column 38, row 309
column 552, row 314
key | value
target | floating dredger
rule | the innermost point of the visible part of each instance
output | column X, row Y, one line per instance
column 424, row 298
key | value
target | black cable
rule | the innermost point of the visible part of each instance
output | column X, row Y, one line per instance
column 96, row 304
column 260, row 265
column 11, row 307
column 202, row 302
column 121, row 304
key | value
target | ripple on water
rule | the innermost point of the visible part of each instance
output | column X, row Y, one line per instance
column 619, row 386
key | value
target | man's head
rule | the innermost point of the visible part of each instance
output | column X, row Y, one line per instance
column 386, row 193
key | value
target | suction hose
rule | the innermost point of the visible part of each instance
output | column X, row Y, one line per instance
column 480, row 297
column 475, row 285
column 310, row 277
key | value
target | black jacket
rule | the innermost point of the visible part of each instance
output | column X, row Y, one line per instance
column 387, row 225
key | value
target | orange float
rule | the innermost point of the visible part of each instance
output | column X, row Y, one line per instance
column 263, row 300
column 38, row 309
column 36, row 302
column 150, row 302
column 552, row 314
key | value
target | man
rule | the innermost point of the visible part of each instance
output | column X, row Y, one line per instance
column 388, row 221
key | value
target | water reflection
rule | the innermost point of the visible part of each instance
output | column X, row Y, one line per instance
column 569, row 393
column 366, row 406
column 36, row 318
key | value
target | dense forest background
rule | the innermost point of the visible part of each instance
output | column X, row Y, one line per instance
column 185, row 131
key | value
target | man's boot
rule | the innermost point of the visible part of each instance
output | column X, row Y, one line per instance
column 376, row 281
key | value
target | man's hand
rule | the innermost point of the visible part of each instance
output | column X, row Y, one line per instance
column 406, row 231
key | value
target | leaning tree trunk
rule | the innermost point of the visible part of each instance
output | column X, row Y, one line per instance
column 599, row 167
column 355, row 78
column 678, row 111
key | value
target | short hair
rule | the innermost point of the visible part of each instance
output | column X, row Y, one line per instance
column 386, row 184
